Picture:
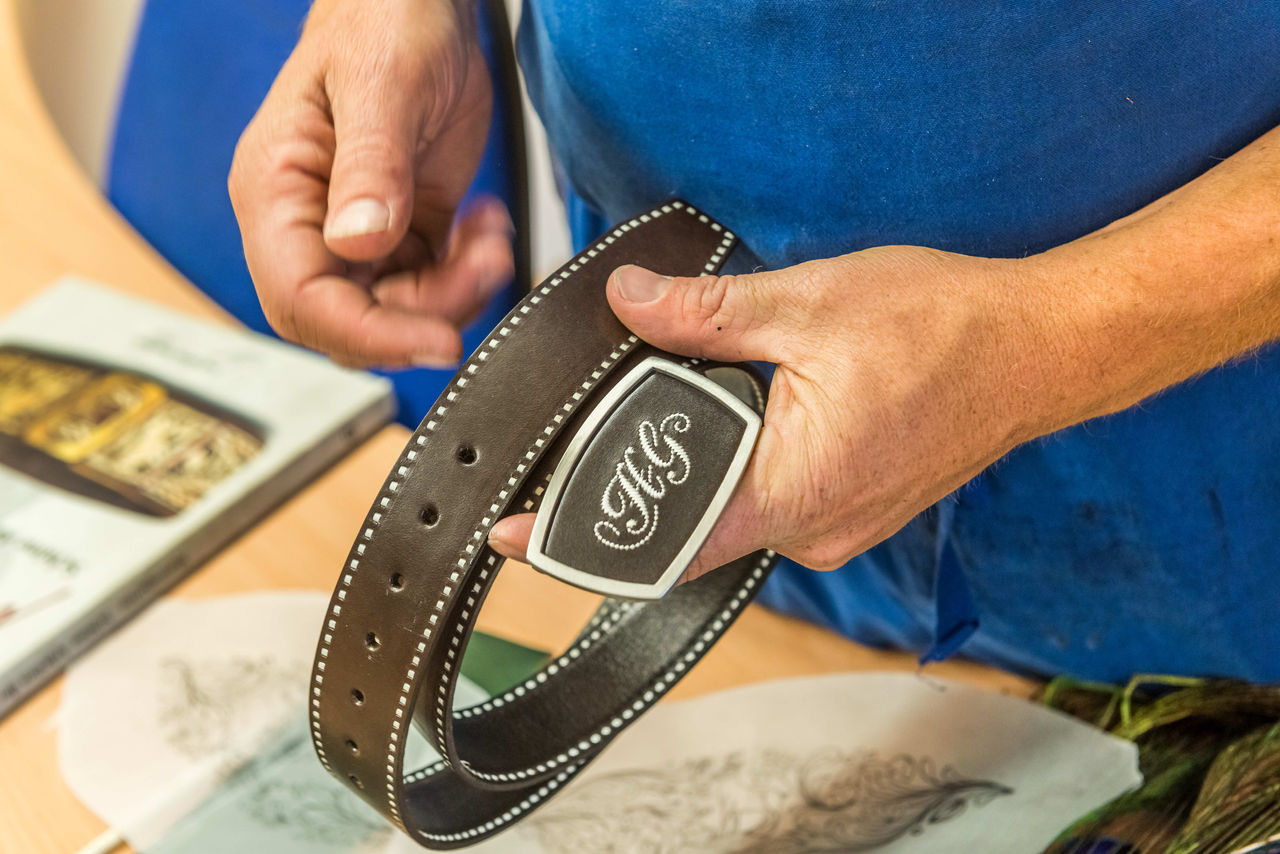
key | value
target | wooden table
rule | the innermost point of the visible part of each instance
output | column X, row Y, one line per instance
column 54, row 221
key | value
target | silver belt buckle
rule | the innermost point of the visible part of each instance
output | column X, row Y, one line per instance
column 643, row 481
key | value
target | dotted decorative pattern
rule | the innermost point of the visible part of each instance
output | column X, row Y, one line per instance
column 649, row 696
column 478, row 578
column 601, row 625
column 507, row 817
column 513, row 482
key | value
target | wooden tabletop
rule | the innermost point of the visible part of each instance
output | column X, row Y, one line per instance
column 54, row 221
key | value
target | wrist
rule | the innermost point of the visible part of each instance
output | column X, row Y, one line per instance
column 1078, row 353
column 1059, row 342
column 1023, row 351
column 1117, row 316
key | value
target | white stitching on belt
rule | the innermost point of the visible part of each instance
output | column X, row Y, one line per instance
column 381, row 505
column 649, row 697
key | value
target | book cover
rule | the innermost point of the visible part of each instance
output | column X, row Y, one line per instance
column 134, row 442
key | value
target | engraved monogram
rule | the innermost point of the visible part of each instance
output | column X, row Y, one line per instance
column 640, row 481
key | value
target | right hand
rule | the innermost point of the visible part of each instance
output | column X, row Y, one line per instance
column 346, row 183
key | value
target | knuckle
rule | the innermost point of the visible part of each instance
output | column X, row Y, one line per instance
column 280, row 306
column 823, row 554
column 706, row 302
column 370, row 147
column 282, row 318
column 276, row 160
column 810, row 293
column 374, row 151
column 266, row 163
column 239, row 179
column 234, row 181
column 387, row 86
column 362, row 340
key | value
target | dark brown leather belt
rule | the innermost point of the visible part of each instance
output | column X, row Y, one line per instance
column 628, row 453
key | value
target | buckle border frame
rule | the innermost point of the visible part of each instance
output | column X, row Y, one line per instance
column 547, row 565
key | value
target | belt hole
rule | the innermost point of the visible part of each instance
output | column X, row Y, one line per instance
column 353, row 747
column 371, row 641
column 467, row 455
column 428, row 515
column 355, row 781
column 357, row 696
column 396, row 582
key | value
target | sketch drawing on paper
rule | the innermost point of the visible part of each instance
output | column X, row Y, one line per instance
column 203, row 705
column 316, row 813
column 762, row 802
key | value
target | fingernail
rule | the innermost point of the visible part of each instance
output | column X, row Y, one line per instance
column 494, row 265
column 496, row 218
column 636, row 284
column 504, row 547
column 363, row 216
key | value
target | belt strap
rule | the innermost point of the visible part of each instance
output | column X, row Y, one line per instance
column 407, row 598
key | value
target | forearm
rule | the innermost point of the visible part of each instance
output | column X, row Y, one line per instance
column 1181, row 286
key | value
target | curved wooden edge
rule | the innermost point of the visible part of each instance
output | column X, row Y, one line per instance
column 53, row 220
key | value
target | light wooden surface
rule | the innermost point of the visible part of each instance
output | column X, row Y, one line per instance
column 53, row 221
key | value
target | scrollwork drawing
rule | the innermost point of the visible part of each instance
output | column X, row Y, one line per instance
column 764, row 802
column 204, row 707
column 316, row 813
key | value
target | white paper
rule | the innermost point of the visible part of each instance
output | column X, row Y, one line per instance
column 155, row 717
column 197, row 709
column 154, row 720
column 884, row 762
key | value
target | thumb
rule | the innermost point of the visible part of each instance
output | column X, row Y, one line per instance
column 371, row 184
column 729, row 318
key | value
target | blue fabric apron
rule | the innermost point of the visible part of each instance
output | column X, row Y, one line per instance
column 1145, row 541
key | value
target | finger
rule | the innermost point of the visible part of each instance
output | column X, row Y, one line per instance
column 755, row 517
column 300, row 283
column 736, row 533
column 509, row 537
column 729, row 318
column 479, row 260
column 338, row 317
column 278, row 192
column 377, row 121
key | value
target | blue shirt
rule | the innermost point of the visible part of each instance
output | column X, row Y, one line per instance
column 1144, row 541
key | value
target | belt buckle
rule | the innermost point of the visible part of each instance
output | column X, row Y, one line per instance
column 643, row 481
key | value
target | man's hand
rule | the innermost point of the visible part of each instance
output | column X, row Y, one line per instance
column 347, row 181
column 892, row 389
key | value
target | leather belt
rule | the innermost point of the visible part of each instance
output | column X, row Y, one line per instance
column 561, row 410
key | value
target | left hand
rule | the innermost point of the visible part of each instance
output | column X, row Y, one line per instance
column 902, row 373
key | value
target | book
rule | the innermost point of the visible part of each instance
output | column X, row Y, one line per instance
column 135, row 441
